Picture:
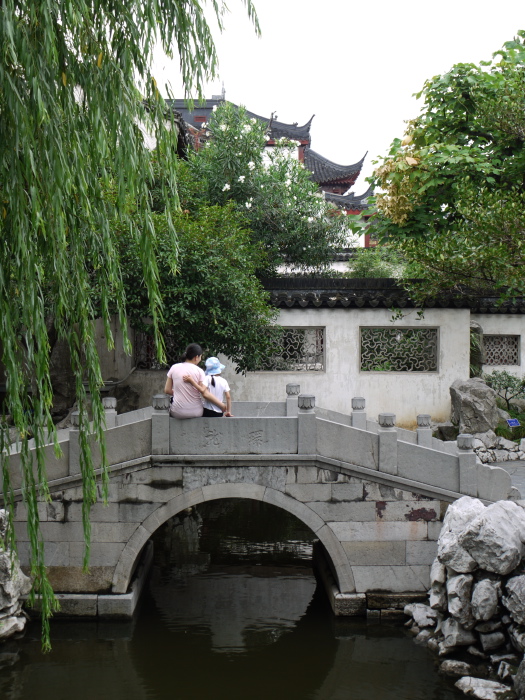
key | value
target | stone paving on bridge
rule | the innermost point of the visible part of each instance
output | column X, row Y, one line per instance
column 516, row 469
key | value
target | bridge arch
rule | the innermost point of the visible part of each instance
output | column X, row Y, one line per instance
column 130, row 553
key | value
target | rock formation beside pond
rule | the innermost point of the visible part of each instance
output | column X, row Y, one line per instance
column 13, row 585
column 475, row 619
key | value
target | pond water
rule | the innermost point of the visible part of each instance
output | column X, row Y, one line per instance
column 232, row 611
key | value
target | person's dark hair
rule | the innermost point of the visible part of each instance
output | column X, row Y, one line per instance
column 193, row 350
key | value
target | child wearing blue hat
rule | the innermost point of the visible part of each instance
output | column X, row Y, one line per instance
column 216, row 385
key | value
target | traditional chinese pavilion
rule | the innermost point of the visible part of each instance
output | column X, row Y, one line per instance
column 334, row 180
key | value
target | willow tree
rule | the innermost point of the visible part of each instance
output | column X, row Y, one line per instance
column 76, row 95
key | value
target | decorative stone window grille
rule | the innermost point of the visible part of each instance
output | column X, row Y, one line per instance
column 399, row 349
column 297, row 350
column 146, row 355
column 501, row 349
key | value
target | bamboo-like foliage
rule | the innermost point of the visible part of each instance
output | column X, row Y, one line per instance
column 76, row 94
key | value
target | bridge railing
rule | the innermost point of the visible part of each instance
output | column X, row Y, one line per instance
column 291, row 427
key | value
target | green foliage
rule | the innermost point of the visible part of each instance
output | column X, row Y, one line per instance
column 75, row 84
column 215, row 297
column 507, row 386
column 450, row 194
column 379, row 261
column 281, row 203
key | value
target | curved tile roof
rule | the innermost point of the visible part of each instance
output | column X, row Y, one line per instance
column 322, row 292
column 279, row 130
column 325, row 171
column 350, row 200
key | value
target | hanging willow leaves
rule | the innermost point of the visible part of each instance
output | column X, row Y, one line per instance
column 76, row 94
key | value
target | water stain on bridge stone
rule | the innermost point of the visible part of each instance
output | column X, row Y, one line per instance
column 380, row 507
column 427, row 514
column 164, row 484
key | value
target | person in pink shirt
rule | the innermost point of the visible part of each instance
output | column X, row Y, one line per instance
column 186, row 402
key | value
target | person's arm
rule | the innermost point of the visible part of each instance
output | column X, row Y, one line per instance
column 189, row 380
column 168, row 387
column 228, row 412
column 205, row 393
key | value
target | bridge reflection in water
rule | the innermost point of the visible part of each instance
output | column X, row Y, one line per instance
column 228, row 614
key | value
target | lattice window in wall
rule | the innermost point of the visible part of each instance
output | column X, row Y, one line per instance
column 501, row 349
column 146, row 354
column 297, row 350
column 399, row 349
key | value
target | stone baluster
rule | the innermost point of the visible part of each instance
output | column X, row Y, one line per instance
column 292, row 392
column 387, row 443
column 110, row 411
column 160, row 425
column 358, row 413
column 424, row 431
column 307, row 426
column 468, row 469
column 74, row 447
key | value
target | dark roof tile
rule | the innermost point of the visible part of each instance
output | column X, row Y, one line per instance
column 350, row 200
column 324, row 171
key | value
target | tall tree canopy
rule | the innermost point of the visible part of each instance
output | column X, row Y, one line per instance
column 284, row 209
column 76, row 89
column 452, row 192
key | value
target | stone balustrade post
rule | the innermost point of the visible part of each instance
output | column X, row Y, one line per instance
column 424, row 431
column 160, row 425
column 387, row 443
column 74, row 447
column 358, row 413
column 110, row 411
column 292, row 392
column 307, row 426
column 468, row 468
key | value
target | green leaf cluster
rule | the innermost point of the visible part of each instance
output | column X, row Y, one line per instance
column 506, row 385
column 284, row 210
column 451, row 194
column 76, row 96
column 215, row 296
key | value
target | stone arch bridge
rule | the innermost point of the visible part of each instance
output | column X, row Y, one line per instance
column 373, row 494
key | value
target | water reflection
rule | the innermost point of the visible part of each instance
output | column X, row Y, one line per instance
column 237, row 609
column 225, row 620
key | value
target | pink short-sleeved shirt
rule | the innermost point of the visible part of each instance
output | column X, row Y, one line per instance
column 187, row 402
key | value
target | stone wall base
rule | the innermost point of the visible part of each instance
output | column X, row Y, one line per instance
column 375, row 606
column 120, row 606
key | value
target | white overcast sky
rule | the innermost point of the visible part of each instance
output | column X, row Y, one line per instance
column 355, row 65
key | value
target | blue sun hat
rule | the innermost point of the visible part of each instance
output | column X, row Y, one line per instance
column 213, row 366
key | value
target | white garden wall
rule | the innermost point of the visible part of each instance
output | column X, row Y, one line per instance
column 404, row 393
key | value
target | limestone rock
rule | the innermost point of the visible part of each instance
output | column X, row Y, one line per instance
column 423, row 636
column 438, row 573
column 484, row 689
column 517, row 637
column 456, row 635
column 486, row 627
column 474, row 406
column 437, row 598
column 458, row 592
column 485, row 595
column 459, row 514
column 13, row 582
column 11, row 625
column 451, row 667
column 492, row 641
column 494, row 538
column 423, row 615
column 519, row 680
column 514, row 601
column 488, row 438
